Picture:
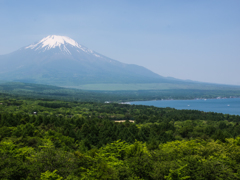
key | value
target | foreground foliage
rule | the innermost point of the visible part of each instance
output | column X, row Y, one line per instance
column 48, row 139
column 120, row 160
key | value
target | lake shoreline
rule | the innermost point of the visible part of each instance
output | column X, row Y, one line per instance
column 127, row 102
column 218, row 105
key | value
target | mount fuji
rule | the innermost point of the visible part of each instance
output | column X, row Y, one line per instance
column 61, row 61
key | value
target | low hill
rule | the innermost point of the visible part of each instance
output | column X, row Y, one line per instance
column 39, row 91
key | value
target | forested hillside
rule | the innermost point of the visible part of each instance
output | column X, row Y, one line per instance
column 52, row 139
column 39, row 91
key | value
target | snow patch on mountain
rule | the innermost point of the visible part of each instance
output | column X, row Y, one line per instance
column 54, row 41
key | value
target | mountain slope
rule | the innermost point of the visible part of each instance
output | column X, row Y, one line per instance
column 59, row 60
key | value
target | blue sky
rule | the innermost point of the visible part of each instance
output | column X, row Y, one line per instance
column 185, row 39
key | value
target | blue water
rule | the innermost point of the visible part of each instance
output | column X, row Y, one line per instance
column 226, row 106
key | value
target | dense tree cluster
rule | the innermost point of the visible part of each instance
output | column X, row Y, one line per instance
column 194, row 159
column 51, row 139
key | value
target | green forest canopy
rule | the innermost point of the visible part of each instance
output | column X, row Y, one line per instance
column 56, row 139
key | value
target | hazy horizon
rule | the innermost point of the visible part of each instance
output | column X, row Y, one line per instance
column 192, row 40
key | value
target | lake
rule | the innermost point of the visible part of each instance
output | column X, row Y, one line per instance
column 226, row 106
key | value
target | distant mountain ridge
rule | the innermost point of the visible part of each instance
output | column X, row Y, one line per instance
column 61, row 61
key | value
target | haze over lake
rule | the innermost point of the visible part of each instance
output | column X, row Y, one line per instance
column 226, row 106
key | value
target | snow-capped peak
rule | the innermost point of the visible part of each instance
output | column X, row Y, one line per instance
column 54, row 41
